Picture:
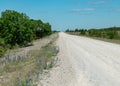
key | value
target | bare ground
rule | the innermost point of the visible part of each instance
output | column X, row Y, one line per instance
column 85, row 62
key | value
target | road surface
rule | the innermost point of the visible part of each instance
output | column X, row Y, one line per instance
column 85, row 62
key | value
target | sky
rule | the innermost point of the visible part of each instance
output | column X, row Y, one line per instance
column 64, row 14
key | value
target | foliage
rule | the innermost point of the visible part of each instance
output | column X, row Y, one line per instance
column 18, row 29
column 109, row 33
column 26, row 69
column 42, row 29
column 2, row 47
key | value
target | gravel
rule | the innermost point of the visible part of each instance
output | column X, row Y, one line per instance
column 85, row 62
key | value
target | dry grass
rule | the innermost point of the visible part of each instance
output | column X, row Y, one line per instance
column 97, row 38
column 25, row 70
column 107, row 40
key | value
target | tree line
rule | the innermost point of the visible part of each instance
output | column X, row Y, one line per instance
column 108, row 33
column 18, row 29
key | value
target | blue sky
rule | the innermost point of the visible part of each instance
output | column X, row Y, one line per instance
column 63, row 14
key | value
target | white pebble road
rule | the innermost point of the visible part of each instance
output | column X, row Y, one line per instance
column 85, row 62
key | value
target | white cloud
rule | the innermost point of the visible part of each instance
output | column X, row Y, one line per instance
column 97, row 2
column 82, row 10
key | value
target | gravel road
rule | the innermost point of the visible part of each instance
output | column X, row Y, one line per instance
column 85, row 62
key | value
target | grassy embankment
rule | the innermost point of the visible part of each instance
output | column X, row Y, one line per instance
column 25, row 70
column 111, row 34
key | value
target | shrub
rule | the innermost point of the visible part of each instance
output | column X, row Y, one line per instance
column 16, row 28
column 2, row 47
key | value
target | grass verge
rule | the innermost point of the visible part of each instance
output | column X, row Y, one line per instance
column 97, row 38
column 20, row 70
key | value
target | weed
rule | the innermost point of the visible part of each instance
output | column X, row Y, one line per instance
column 25, row 70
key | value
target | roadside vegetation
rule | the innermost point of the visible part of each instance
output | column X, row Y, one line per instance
column 112, row 33
column 26, row 69
column 17, row 29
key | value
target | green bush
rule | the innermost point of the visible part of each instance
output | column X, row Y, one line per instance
column 18, row 29
column 108, row 33
column 15, row 28
column 2, row 47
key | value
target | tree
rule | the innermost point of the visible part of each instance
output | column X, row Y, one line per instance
column 16, row 28
column 42, row 29
column 82, row 32
column 67, row 30
column 76, row 30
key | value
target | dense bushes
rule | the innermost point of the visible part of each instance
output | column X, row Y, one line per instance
column 18, row 29
column 2, row 47
column 15, row 28
column 42, row 29
column 109, row 33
